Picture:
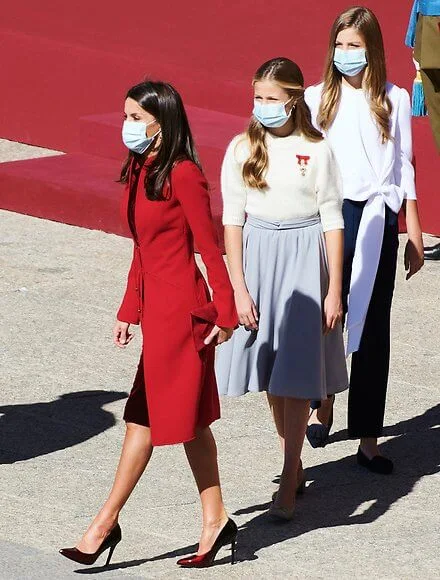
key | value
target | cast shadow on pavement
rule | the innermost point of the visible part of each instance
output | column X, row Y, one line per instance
column 339, row 493
column 34, row 429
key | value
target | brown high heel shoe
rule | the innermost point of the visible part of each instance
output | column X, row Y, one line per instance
column 281, row 513
column 110, row 543
column 228, row 535
column 300, row 488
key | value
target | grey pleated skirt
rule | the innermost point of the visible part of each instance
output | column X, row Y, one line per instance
column 286, row 274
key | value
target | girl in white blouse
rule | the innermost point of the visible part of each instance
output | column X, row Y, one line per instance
column 367, row 121
column 282, row 218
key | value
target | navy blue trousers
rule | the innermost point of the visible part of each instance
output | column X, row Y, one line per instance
column 370, row 364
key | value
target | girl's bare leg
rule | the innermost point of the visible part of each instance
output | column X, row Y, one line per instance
column 296, row 412
column 276, row 405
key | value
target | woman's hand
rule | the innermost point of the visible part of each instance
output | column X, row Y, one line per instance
column 121, row 336
column 246, row 309
column 218, row 334
column 413, row 259
column 332, row 311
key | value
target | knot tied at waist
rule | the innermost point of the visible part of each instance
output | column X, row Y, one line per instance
column 291, row 224
column 367, row 256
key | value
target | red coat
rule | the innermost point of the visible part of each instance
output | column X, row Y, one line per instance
column 167, row 294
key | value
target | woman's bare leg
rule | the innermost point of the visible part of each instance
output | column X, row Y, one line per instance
column 296, row 412
column 136, row 453
column 202, row 457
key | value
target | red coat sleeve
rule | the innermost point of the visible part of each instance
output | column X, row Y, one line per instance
column 190, row 188
column 129, row 309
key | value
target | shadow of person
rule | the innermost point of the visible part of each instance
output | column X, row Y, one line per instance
column 341, row 494
column 294, row 359
column 34, row 429
column 279, row 350
column 178, row 553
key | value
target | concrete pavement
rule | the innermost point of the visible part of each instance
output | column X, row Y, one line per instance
column 63, row 389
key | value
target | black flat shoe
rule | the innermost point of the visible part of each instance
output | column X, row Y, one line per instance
column 110, row 543
column 432, row 253
column 378, row 464
column 318, row 434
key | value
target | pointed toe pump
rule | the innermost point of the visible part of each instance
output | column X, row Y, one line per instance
column 110, row 543
column 228, row 535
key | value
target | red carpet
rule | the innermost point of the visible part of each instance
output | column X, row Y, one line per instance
column 75, row 189
column 66, row 67
column 81, row 188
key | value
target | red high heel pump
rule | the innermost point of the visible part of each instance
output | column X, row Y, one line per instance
column 228, row 535
column 110, row 543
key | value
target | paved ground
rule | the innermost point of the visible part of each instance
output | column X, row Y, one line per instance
column 63, row 388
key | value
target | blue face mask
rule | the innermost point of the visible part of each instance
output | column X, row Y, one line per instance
column 350, row 62
column 271, row 115
column 134, row 135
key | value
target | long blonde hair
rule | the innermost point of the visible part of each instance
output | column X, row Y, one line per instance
column 367, row 25
column 287, row 75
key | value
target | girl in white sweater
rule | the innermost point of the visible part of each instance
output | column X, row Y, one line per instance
column 283, row 220
column 367, row 121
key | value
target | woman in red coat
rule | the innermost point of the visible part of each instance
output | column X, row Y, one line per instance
column 174, row 397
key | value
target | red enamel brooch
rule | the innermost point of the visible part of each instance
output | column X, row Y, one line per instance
column 302, row 162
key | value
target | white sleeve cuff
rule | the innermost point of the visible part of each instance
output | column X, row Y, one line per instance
column 410, row 195
column 328, row 226
column 233, row 220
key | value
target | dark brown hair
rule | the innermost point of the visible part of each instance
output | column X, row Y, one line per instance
column 165, row 104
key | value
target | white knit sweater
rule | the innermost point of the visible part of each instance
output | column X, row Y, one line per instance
column 297, row 187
